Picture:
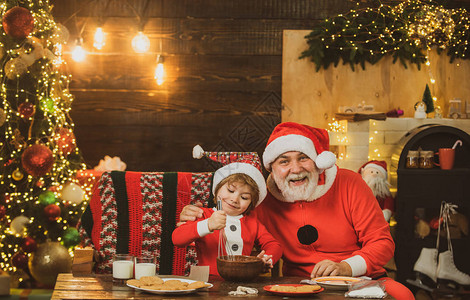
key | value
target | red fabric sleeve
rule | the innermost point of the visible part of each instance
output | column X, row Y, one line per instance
column 372, row 230
column 268, row 243
column 187, row 233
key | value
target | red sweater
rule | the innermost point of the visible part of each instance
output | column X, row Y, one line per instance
column 349, row 222
column 252, row 231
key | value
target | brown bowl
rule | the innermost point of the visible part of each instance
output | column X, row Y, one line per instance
column 239, row 267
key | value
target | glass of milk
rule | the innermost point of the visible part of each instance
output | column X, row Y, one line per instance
column 123, row 267
column 145, row 266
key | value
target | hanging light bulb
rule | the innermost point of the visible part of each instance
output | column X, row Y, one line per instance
column 99, row 38
column 140, row 43
column 78, row 53
column 159, row 70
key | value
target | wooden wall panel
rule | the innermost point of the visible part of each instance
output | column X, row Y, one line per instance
column 224, row 65
column 314, row 97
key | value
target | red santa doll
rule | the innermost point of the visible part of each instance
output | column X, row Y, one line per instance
column 374, row 173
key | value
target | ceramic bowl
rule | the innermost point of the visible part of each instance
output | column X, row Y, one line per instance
column 239, row 267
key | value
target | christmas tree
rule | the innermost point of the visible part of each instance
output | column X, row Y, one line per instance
column 40, row 201
column 427, row 99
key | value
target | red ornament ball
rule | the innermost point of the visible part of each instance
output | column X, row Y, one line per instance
column 18, row 22
column 65, row 141
column 52, row 212
column 20, row 260
column 3, row 211
column 29, row 245
column 37, row 160
column 26, row 110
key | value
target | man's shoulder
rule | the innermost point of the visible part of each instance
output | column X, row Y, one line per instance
column 346, row 173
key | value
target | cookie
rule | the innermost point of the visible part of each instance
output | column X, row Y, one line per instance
column 134, row 282
column 150, row 280
column 197, row 285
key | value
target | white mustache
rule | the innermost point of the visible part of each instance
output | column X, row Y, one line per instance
column 296, row 176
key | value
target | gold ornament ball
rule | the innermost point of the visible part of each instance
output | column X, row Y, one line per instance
column 17, row 175
column 50, row 259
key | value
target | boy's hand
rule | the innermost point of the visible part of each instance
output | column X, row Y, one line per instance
column 217, row 220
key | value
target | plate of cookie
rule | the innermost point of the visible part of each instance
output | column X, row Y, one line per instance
column 336, row 282
column 164, row 286
column 293, row 289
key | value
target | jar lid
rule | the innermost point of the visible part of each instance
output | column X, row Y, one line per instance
column 413, row 153
column 426, row 153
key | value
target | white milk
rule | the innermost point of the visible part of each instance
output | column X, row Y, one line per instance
column 123, row 269
column 145, row 269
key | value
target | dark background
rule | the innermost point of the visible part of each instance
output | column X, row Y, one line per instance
column 224, row 66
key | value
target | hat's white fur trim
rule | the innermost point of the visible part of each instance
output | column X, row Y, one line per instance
column 243, row 168
column 286, row 143
column 330, row 176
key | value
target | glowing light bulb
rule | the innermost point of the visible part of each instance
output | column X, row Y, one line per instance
column 160, row 71
column 99, row 39
column 78, row 53
column 140, row 43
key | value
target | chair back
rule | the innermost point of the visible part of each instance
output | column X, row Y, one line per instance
column 136, row 213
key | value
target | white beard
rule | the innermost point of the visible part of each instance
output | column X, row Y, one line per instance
column 302, row 192
column 379, row 186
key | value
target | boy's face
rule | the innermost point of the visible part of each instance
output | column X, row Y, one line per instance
column 236, row 198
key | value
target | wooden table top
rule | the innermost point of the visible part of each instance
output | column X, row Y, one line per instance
column 101, row 287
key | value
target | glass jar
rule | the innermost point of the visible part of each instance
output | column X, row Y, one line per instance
column 412, row 160
column 426, row 159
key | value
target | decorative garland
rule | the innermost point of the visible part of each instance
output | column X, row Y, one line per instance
column 405, row 31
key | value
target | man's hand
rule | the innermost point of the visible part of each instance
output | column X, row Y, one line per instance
column 190, row 213
column 330, row 268
column 217, row 220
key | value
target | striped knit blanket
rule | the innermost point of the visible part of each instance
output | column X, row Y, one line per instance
column 136, row 212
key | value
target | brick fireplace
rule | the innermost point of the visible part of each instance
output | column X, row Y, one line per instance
column 359, row 142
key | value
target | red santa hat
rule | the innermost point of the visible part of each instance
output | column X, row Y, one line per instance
column 290, row 136
column 379, row 165
column 247, row 163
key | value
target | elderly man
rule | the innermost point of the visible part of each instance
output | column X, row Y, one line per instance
column 326, row 218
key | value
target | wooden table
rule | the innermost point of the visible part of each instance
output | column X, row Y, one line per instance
column 102, row 287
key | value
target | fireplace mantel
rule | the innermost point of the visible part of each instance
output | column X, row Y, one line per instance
column 359, row 142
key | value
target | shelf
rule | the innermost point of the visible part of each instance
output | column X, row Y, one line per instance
column 434, row 171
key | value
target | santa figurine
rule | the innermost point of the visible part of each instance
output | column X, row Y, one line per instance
column 374, row 173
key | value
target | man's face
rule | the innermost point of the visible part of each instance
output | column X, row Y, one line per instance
column 296, row 175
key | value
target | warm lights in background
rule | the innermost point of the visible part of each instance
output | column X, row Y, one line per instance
column 160, row 70
column 99, row 38
column 78, row 53
column 140, row 43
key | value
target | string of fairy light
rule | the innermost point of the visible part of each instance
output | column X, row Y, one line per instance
column 55, row 102
column 408, row 31
column 140, row 44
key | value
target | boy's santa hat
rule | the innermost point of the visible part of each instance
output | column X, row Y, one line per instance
column 379, row 165
column 235, row 163
column 290, row 136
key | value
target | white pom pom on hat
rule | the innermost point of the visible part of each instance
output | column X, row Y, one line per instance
column 198, row 152
column 291, row 136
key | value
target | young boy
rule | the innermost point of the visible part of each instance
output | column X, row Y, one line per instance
column 240, row 187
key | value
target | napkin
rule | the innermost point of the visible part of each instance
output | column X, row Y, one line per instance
column 366, row 289
column 243, row 290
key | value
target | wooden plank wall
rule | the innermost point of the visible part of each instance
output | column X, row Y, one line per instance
column 223, row 91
